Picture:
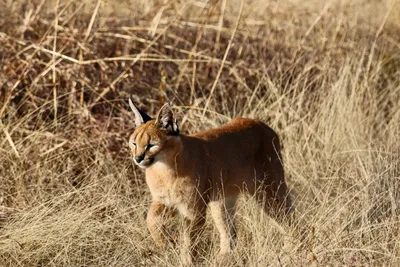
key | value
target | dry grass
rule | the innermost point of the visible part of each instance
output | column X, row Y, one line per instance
column 324, row 74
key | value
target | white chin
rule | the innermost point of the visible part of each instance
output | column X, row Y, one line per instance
column 142, row 166
column 138, row 164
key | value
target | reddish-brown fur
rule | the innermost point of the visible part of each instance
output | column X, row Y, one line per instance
column 209, row 169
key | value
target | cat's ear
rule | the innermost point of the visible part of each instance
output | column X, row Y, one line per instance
column 140, row 116
column 166, row 121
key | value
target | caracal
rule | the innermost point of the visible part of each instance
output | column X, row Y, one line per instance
column 189, row 173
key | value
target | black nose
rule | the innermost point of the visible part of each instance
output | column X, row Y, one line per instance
column 139, row 158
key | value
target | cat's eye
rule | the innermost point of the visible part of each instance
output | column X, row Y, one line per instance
column 150, row 146
column 133, row 144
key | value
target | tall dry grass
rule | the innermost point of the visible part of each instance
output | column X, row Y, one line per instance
column 324, row 74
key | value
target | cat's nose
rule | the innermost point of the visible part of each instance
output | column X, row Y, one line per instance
column 139, row 158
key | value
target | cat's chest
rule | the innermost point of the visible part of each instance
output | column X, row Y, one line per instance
column 169, row 189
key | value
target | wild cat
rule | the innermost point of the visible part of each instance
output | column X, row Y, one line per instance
column 189, row 173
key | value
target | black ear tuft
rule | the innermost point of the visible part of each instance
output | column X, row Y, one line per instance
column 140, row 116
column 165, row 120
